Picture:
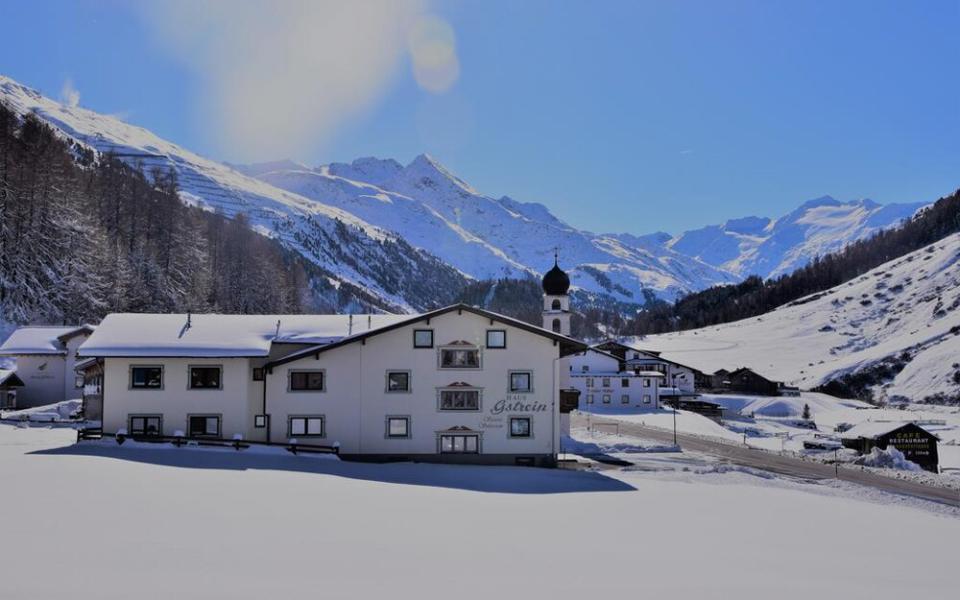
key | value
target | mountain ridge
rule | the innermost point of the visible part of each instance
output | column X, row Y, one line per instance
column 391, row 228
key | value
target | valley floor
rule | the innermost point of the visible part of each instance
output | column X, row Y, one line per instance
column 99, row 521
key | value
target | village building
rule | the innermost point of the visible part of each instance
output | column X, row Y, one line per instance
column 10, row 384
column 603, row 382
column 748, row 381
column 916, row 443
column 45, row 358
column 454, row 384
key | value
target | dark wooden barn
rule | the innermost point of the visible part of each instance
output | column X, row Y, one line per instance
column 917, row 444
column 747, row 381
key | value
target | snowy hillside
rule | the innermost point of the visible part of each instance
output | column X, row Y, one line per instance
column 351, row 249
column 773, row 247
column 900, row 320
column 487, row 237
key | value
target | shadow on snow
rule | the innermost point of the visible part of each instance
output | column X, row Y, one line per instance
column 476, row 478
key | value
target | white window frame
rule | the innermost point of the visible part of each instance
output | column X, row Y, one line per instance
column 306, row 426
column 478, row 391
column 443, row 349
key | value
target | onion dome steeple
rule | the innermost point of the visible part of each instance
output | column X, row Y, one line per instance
column 556, row 282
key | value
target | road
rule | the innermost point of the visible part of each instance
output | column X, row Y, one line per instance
column 784, row 465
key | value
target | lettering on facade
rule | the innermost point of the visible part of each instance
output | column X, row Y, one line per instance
column 517, row 403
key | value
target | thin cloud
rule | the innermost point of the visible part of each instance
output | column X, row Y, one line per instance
column 282, row 77
column 686, row 151
column 69, row 94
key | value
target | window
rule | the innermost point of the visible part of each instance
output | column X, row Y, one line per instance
column 589, row 381
column 146, row 377
column 606, row 382
column 146, row 425
column 521, row 381
column 606, row 398
column 260, row 421
column 306, row 381
column 625, row 399
column 204, row 425
column 306, row 426
column 646, row 383
column 205, row 378
column 646, row 398
column 459, row 444
column 556, row 326
column 585, row 368
column 423, row 338
column 589, row 398
column 496, row 338
column 398, row 427
column 258, row 373
column 520, row 427
column 625, row 382
column 398, row 381
column 555, row 305
column 459, row 399
column 460, row 358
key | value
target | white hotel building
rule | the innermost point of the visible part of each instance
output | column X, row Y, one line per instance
column 455, row 384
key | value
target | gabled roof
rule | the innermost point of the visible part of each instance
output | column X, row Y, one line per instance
column 567, row 345
column 654, row 355
column 598, row 351
column 219, row 336
column 8, row 378
column 35, row 339
column 873, row 429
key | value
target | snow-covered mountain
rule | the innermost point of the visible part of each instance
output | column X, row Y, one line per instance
column 772, row 247
column 411, row 235
column 489, row 237
column 897, row 327
column 387, row 270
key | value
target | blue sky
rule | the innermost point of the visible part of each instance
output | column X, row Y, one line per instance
column 620, row 116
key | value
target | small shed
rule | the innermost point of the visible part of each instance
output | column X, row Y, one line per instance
column 916, row 443
column 9, row 384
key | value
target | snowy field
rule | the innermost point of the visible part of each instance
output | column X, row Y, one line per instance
column 773, row 422
column 100, row 521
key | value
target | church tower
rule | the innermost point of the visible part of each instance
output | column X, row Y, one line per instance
column 556, row 301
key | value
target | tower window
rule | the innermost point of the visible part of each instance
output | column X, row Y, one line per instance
column 556, row 325
column 556, row 304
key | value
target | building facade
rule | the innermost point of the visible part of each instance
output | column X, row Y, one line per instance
column 45, row 359
column 457, row 384
column 604, row 383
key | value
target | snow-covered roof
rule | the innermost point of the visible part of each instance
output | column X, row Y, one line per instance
column 872, row 429
column 215, row 335
column 39, row 340
column 9, row 376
